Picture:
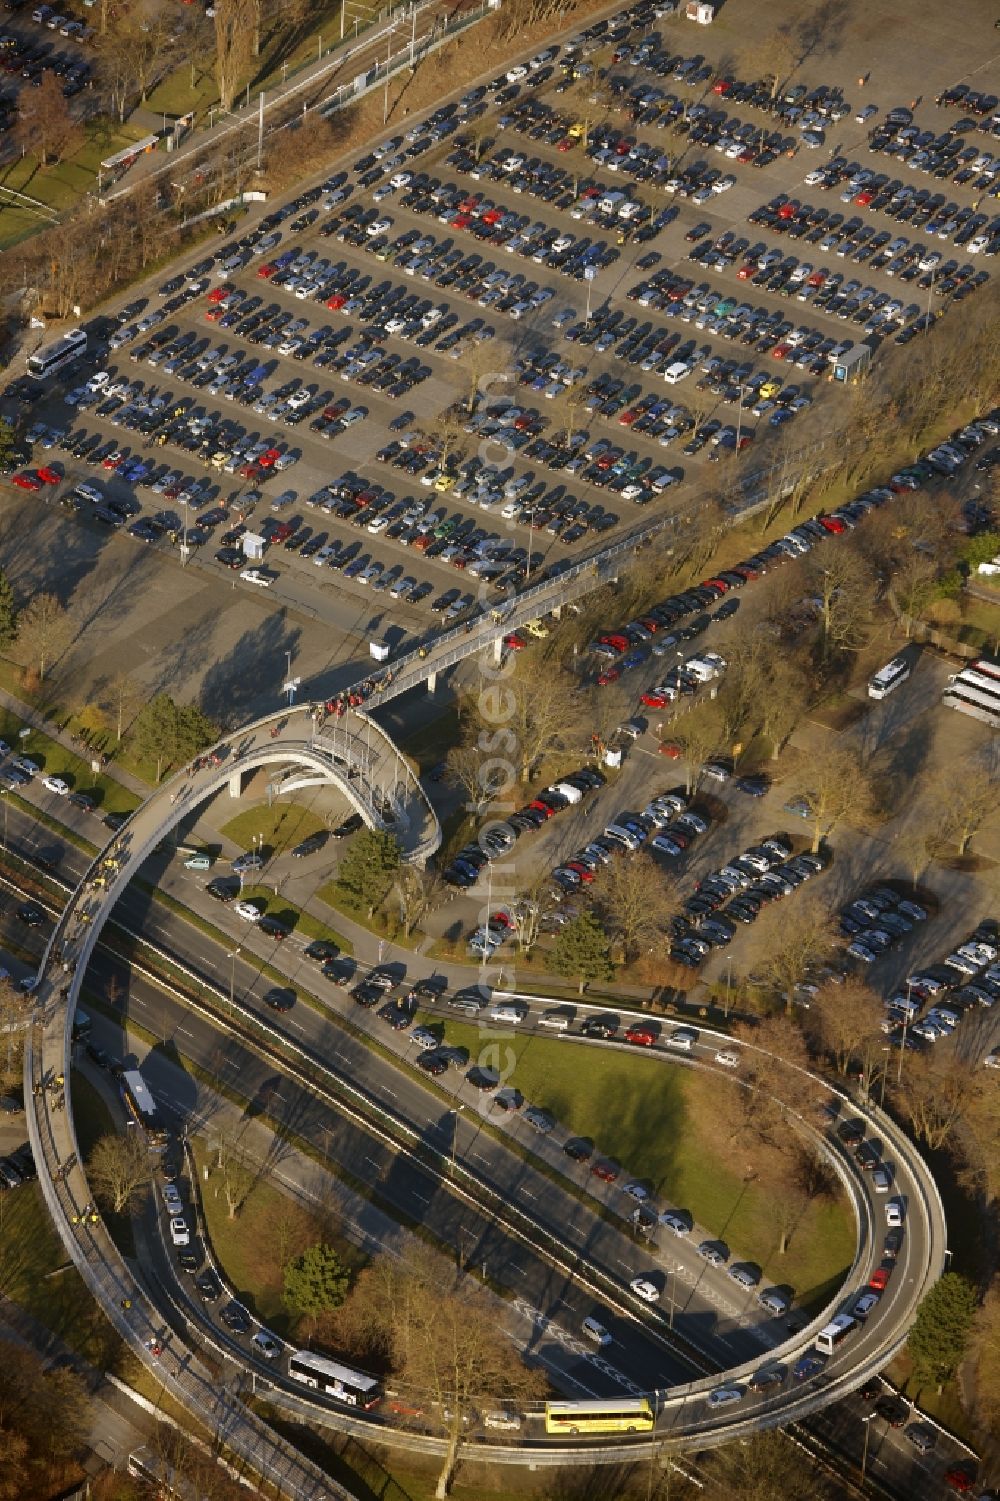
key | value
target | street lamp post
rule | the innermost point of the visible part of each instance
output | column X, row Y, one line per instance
column 906, row 1023
column 885, row 1070
column 231, row 955
column 3, row 794
column 456, row 1112
column 864, row 1453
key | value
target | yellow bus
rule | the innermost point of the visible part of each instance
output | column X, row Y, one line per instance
column 612, row 1415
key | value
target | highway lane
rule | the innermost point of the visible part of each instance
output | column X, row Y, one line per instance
column 400, row 1184
column 143, row 823
column 724, row 1319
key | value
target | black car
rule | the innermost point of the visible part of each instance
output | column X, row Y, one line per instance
column 30, row 914
column 367, row 995
column 310, row 845
column 273, row 927
column 115, row 821
column 432, row 1063
column 82, row 801
column 189, row 1260
column 280, row 998
column 208, row 1285
column 340, row 970
column 579, row 1148
column 236, row 1318
column 851, row 1132
column 349, row 826
column 99, row 1056
column 321, row 951
column 893, row 1410
column 892, row 1244
column 600, row 1026
column 223, row 890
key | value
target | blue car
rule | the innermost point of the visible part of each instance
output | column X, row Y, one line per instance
column 808, row 1365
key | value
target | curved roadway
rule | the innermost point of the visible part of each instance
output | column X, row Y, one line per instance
column 684, row 1417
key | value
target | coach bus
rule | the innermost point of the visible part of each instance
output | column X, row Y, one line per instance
column 609, row 1415
column 834, row 1333
column 356, row 1388
column 141, row 1108
column 52, row 357
column 889, row 677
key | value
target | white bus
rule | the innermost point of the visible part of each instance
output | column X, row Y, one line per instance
column 834, row 1333
column 889, row 677
column 356, row 1388
column 52, row 357
column 141, row 1108
column 974, row 702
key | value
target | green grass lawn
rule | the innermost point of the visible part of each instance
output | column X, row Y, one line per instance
column 61, row 186
column 643, row 1113
column 279, row 827
column 268, row 1231
column 36, row 1273
column 56, row 760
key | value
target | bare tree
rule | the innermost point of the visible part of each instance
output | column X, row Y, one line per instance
column 783, row 696
column 484, row 778
column 966, row 796
column 699, row 735
column 416, row 891
column 845, row 1022
column 234, row 41
column 119, row 1171
column 44, row 631
column 45, row 125
column 540, row 714
column 236, row 1171
column 123, row 698
column 445, row 1342
column 833, row 786
column 844, row 593
column 638, row 903
column 793, row 936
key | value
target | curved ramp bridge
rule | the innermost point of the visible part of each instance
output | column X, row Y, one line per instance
column 353, row 753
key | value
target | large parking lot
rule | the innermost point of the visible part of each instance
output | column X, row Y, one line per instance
column 394, row 379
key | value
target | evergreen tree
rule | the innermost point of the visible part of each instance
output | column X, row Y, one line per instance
column 316, row 1281
column 369, row 869
column 582, row 951
column 8, row 605
column 941, row 1330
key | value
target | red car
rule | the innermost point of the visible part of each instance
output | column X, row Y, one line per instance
column 583, row 871
column 48, row 476
column 267, row 270
column 27, row 481
column 336, row 302
column 961, row 1477
column 643, row 1037
column 220, row 293
column 654, row 700
column 879, row 1279
column 542, row 808
column 269, row 457
column 832, row 524
column 514, row 642
column 609, row 675
column 606, row 1171
column 670, row 748
column 745, row 272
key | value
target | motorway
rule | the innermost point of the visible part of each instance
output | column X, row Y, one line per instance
column 75, row 939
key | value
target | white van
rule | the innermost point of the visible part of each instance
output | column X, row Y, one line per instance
column 774, row 1301
column 676, row 372
column 621, row 836
column 612, row 202
column 513, row 1012
column 557, row 1020
column 571, row 794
